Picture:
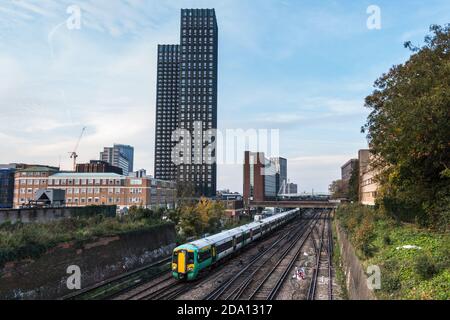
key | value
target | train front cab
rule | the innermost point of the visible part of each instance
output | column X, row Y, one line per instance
column 183, row 264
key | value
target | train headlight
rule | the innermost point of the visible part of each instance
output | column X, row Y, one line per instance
column 174, row 266
column 191, row 267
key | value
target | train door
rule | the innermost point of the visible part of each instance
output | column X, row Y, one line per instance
column 182, row 262
column 251, row 235
column 214, row 253
column 234, row 243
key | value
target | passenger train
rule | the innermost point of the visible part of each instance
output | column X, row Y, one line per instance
column 190, row 259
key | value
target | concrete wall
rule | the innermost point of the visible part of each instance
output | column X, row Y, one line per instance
column 43, row 215
column 356, row 279
column 100, row 259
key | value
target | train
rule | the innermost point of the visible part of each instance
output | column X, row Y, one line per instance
column 191, row 259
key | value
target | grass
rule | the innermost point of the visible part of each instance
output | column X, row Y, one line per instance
column 405, row 273
column 339, row 272
column 20, row 241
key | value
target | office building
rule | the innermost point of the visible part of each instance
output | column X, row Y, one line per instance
column 368, row 185
column 89, row 188
column 119, row 155
column 281, row 173
column 7, row 186
column 291, row 188
column 98, row 166
column 259, row 177
column 28, row 181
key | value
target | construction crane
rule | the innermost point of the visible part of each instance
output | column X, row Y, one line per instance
column 73, row 154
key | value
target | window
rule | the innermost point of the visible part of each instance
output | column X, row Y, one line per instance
column 204, row 255
column 224, row 246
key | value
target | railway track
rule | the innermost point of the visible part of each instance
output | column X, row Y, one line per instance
column 264, row 275
column 168, row 288
column 115, row 286
column 319, row 289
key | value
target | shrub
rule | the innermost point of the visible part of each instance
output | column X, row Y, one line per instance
column 390, row 279
column 425, row 267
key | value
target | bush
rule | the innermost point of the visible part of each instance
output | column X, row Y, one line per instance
column 390, row 279
column 425, row 267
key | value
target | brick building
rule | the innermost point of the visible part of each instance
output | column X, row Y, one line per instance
column 259, row 177
column 100, row 188
column 28, row 181
column 98, row 166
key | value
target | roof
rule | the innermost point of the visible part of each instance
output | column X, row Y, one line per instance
column 39, row 169
column 201, row 243
column 87, row 175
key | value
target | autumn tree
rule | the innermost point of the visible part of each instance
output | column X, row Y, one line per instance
column 408, row 130
column 204, row 217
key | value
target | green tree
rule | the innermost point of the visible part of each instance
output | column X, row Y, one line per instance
column 338, row 189
column 409, row 131
column 353, row 185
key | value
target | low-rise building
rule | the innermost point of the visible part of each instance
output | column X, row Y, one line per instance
column 28, row 181
column 94, row 188
column 233, row 209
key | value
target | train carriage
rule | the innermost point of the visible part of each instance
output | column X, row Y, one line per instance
column 190, row 259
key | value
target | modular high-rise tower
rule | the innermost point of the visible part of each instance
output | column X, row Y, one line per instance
column 166, row 110
column 196, row 90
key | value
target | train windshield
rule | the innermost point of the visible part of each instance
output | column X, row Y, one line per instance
column 175, row 257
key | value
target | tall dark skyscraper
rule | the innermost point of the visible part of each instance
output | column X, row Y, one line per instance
column 196, row 90
column 166, row 110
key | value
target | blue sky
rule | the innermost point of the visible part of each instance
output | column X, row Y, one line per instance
column 303, row 67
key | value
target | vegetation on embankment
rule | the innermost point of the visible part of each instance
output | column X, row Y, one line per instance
column 408, row 131
column 418, row 272
column 20, row 240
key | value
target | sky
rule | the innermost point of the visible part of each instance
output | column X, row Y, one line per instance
column 302, row 67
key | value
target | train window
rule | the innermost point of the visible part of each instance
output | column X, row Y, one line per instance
column 190, row 258
column 224, row 246
column 239, row 239
column 203, row 255
column 175, row 257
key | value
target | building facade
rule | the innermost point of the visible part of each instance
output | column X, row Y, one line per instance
column 119, row 155
column 28, row 181
column 291, row 188
column 348, row 168
column 98, row 166
column 7, row 186
column 100, row 188
column 368, row 185
column 259, row 177
column 281, row 173
column 166, row 111
column 84, row 189
column 196, row 103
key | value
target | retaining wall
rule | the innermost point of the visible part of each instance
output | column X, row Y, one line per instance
column 99, row 259
column 355, row 277
column 44, row 215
